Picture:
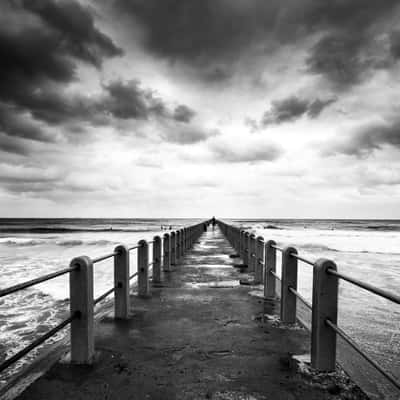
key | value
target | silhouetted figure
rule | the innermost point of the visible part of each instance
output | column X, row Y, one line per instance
column 213, row 222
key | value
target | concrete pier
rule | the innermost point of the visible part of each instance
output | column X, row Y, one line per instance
column 200, row 335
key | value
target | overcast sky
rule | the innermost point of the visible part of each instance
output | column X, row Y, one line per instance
column 191, row 108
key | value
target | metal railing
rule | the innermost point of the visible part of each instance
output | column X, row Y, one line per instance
column 324, row 306
column 166, row 252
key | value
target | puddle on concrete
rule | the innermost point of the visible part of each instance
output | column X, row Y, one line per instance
column 257, row 293
column 195, row 297
column 213, row 266
column 230, row 395
column 213, row 284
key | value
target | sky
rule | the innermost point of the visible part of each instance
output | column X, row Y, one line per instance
column 194, row 108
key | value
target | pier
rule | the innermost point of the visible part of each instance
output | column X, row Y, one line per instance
column 205, row 316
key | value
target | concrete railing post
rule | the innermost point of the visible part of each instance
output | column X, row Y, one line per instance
column 177, row 245
column 246, row 249
column 173, row 248
column 166, row 253
column 252, row 252
column 81, row 303
column 270, row 266
column 289, row 280
column 324, row 306
column 143, row 269
column 182, row 242
column 156, row 259
column 259, row 267
column 242, row 245
column 121, row 282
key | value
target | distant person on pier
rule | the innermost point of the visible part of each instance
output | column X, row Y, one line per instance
column 213, row 222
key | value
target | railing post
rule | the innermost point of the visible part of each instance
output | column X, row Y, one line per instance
column 242, row 246
column 156, row 259
column 252, row 252
column 246, row 249
column 289, row 280
column 270, row 266
column 81, row 302
column 143, row 269
column 166, row 252
column 324, row 306
column 182, row 242
column 178, row 245
column 173, row 248
column 121, row 282
column 259, row 267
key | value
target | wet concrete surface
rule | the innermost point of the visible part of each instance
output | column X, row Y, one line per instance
column 199, row 336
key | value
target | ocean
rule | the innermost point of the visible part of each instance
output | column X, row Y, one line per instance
column 366, row 249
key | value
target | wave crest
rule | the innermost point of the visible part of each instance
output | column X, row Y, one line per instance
column 21, row 242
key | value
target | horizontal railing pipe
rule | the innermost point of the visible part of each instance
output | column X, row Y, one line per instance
column 105, row 257
column 370, row 288
column 33, row 282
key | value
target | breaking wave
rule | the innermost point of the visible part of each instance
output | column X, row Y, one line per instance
column 21, row 242
column 49, row 230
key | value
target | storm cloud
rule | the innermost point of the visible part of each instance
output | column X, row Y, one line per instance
column 252, row 152
column 41, row 43
column 289, row 109
column 126, row 100
column 184, row 113
column 213, row 35
column 185, row 134
column 368, row 138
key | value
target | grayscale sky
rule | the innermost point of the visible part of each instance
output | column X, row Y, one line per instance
column 181, row 108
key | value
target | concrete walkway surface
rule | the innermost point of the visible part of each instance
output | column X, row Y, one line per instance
column 199, row 336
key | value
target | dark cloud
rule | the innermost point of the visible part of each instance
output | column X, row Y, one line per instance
column 316, row 107
column 75, row 23
column 285, row 110
column 21, row 125
column 208, row 35
column 289, row 110
column 395, row 44
column 185, row 134
column 213, row 35
column 12, row 145
column 184, row 113
column 42, row 51
column 247, row 153
column 197, row 31
column 347, row 15
column 340, row 58
column 345, row 53
column 368, row 138
column 126, row 100
column 40, row 45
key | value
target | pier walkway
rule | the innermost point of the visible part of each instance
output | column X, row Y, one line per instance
column 199, row 336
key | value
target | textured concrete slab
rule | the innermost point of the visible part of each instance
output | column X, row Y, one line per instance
column 199, row 336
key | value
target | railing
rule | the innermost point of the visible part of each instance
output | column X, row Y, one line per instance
column 166, row 252
column 260, row 258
